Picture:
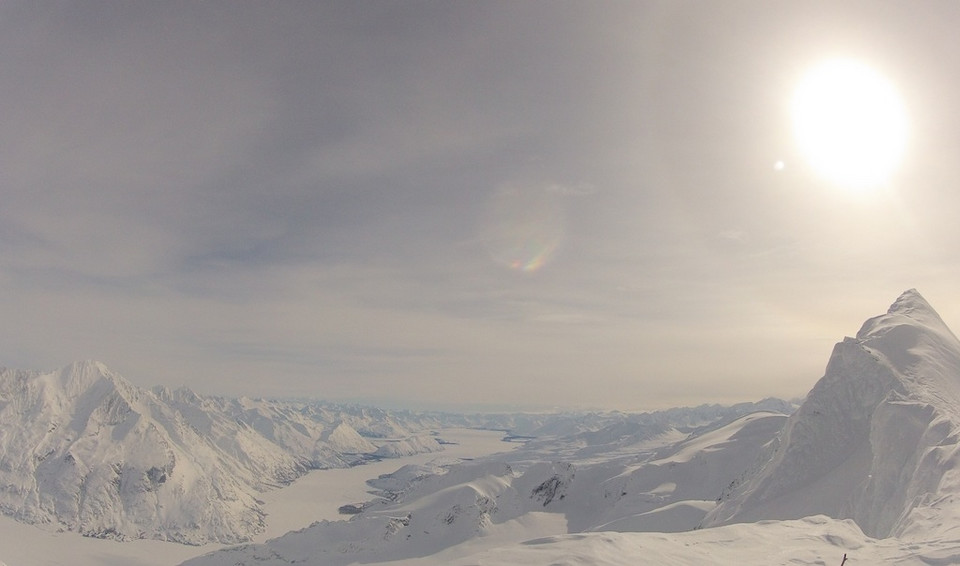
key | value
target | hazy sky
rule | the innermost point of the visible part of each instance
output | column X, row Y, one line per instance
column 459, row 204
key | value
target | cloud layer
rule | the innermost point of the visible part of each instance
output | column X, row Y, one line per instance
column 480, row 204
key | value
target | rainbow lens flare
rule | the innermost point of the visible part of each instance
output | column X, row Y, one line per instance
column 523, row 226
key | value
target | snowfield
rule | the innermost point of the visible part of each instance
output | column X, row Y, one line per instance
column 439, row 514
column 313, row 497
column 865, row 468
column 876, row 440
column 816, row 540
column 84, row 450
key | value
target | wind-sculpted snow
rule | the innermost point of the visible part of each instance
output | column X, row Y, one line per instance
column 876, row 439
column 82, row 449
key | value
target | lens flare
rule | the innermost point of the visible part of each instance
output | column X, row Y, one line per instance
column 523, row 225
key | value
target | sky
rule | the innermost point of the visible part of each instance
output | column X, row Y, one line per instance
column 460, row 205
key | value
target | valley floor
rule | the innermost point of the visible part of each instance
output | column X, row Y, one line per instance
column 313, row 497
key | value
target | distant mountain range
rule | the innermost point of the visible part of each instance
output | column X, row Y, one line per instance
column 82, row 449
column 871, row 452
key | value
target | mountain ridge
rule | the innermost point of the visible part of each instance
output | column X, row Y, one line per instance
column 83, row 449
column 862, row 445
column 871, row 455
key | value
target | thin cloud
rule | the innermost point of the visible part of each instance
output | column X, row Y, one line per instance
column 322, row 198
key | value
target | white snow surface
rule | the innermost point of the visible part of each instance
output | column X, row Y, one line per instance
column 864, row 469
column 344, row 439
column 444, row 512
column 408, row 446
column 84, row 450
column 876, row 440
column 812, row 541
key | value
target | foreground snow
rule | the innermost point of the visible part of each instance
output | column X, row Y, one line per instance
column 814, row 541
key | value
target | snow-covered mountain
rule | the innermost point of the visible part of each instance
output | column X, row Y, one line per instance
column 866, row 466
column 876, row 440
column 871, row 452
column 623, row 477
column 83, row 449
column 564, row 424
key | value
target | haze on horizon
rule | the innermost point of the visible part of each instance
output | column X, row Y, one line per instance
column 435, row 204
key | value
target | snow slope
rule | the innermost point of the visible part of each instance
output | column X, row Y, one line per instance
column 865, row 469
column 84, row 450
column 876, row 440
column 345, row 440
column 812, row 541
column 621, row 481
column 408, row 447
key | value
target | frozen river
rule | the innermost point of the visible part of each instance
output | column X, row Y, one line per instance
column 313, row 497
column 320, row 493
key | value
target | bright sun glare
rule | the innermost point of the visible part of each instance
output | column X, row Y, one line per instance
column 850, row 124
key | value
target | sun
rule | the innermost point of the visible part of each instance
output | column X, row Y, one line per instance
column 850, row 124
